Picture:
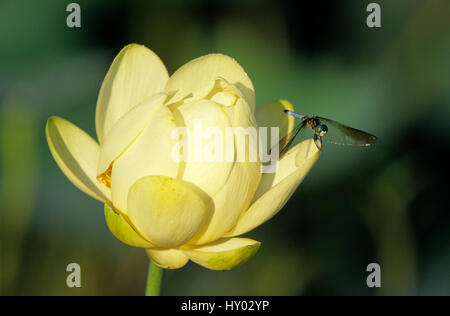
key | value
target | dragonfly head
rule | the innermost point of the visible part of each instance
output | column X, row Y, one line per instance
column 321, row 130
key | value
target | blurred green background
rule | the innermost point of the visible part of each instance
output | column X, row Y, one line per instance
column 386, row 204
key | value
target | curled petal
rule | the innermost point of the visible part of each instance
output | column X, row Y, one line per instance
column 207, row 68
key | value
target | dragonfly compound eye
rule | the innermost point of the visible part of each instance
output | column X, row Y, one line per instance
column 321, row 130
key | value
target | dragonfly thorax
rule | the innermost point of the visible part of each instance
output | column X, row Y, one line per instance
column 315, row 124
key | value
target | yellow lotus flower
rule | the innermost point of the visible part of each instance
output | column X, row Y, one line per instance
column 178, row 211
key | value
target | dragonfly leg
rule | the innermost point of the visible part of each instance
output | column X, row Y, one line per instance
column 318, row 141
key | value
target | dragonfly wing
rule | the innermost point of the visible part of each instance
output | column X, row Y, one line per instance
column 341, row 134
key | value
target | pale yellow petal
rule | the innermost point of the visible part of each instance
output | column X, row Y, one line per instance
column 229, row 202
column 286, row 166
column 272, row 115
column 76, row 153
column 245, row 135
column 149, row 154
column 237, row 193
column 135, row 74
column 272, row 198
column 167, row 211
column 201, row 71
column 126, row 130
column 205, row 148
column 223, row 254
column 123, row 231
column 168, row 258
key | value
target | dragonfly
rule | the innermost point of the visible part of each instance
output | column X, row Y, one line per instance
column 342, row 134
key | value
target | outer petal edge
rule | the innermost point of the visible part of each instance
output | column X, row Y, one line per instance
column 76, row 154
column 223, row 254
column 123, row 231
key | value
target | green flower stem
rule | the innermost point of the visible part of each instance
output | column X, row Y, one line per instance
column 154, row 279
